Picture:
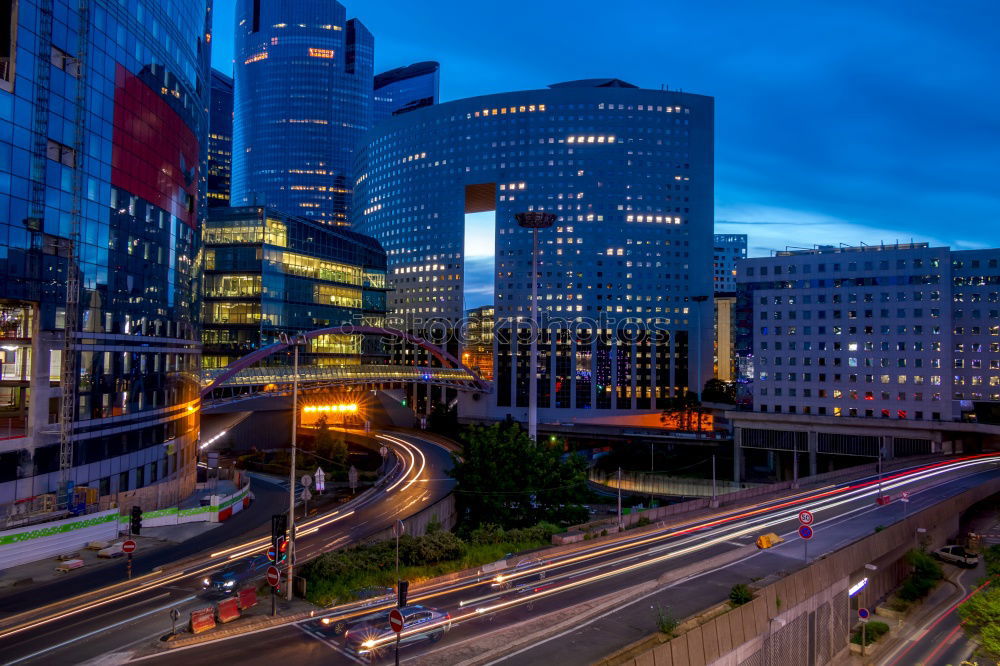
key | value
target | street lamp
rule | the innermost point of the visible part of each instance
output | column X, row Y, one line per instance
column 534, row 220
column 295, row 341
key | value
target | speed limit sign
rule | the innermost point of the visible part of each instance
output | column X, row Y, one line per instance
column 806, row 517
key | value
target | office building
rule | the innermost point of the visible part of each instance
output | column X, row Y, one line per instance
column 303, row 99
column 220, row 139
column 102, row 151
column 729, row 248
column 907, row 332
column 477, row 342
column 725, row 337
column 406, row 89
column 625, row 279
column 267, row 273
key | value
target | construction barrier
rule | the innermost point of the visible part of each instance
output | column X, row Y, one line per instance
column 768, row 540
column 248, row 598
column 202, row 620
column 228, row 610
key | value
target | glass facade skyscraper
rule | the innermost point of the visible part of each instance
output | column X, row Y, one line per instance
column 406, row 89
column 303, row 99
column 625, row 273
column 267, row 273
column 220, row 139
column 103, row 125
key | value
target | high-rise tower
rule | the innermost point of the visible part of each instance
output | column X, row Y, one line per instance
column 304, row 76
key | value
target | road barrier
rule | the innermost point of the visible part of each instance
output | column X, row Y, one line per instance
column 228, row 610
column 202, row 620
column 248, row 598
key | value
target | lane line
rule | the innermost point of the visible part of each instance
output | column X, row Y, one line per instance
column 98, row 631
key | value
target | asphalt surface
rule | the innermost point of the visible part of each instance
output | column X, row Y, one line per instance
column 844, row 513
column 940, row 640
column 103, row 628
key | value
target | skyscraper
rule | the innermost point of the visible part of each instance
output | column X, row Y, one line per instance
column 220, row 139
column 625, row 278
column 303, row 99
column 729, row 248
column 101, row 231
column 406, row 89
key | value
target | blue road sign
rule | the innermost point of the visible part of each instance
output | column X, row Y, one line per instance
column 805, row 532
column 863, row 613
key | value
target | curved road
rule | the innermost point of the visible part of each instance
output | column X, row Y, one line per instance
column 114, row 618
column 477, row 608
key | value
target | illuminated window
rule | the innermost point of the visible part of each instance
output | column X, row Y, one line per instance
column 320, row 53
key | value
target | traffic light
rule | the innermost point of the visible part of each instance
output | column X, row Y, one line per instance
column 279, row 526
column 135, row 524
column 402, row 589
column 281, row 549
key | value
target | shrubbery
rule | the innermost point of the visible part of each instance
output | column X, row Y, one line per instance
column 740, row 594
column 926, row 574
column 332, row 577
column 872, row 632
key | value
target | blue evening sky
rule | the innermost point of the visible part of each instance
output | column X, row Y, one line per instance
column 835, row 121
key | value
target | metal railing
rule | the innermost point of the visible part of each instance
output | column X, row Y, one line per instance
column 645, row 483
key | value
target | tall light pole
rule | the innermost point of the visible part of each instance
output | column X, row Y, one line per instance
column 534, row 220
column 295, row 341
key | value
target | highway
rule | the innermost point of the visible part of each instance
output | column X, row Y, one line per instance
column 111, row 620
column 479, row 609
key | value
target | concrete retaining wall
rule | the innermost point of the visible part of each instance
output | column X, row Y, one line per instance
column 812, row 623
column 416, row 525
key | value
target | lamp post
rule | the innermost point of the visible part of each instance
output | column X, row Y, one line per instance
column 534, row 220
column 295, row 341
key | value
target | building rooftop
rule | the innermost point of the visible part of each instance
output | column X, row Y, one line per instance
column 836, row 249
column 594, row 83
column 409, row 71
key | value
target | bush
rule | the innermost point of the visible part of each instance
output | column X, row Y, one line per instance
column 643, row 521
column 926, row 573
column 740, row 594
column 992, row 557
column 665, row 622
column 872, row 632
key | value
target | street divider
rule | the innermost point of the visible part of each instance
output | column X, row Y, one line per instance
column 248, row 598
column 228, row 610
column 202, row 620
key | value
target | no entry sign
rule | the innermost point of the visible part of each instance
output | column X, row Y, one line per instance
column 396, row 620
column 128, row 547
column 273, row 576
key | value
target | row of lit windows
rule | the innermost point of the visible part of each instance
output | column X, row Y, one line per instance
column 530, row 108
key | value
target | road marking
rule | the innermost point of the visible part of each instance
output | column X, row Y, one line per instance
column 100, row 631
column 323, row 639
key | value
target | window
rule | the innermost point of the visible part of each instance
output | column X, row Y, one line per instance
column 8, row 43
column 61, row 153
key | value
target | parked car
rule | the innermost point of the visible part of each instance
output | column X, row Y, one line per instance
column 235, row 574
column 957, row 555
column 372, row 635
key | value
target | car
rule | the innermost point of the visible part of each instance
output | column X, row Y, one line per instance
column 367, row 597
column 957, row 555
column 373, row 635
column 229, row 578
column 527, row 571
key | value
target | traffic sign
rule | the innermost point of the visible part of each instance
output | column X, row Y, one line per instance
column 383, row 450
column 270, row 553
column 396, row 620
column 863, row 613
column 805, row 532
column 904, row 496
column 174, row 614
column 128, row 547
column 306, row 480
column 306, row 495
column 352, row 477
column 273, row 576
column 806, row 517
column 398, row 529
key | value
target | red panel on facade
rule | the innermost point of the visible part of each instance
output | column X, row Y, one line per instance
column 154, row 153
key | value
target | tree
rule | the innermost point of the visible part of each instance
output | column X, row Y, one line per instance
column 443, row 420
column 681, row 410
column 981, row 618
column 327, row 446
column 505, row 478
column 717, row 390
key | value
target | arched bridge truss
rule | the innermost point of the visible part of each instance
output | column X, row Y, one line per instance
column 245, row 373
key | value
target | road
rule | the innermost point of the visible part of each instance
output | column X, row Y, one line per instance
column 93, row 625
column 941, row 641
column 477, row 611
